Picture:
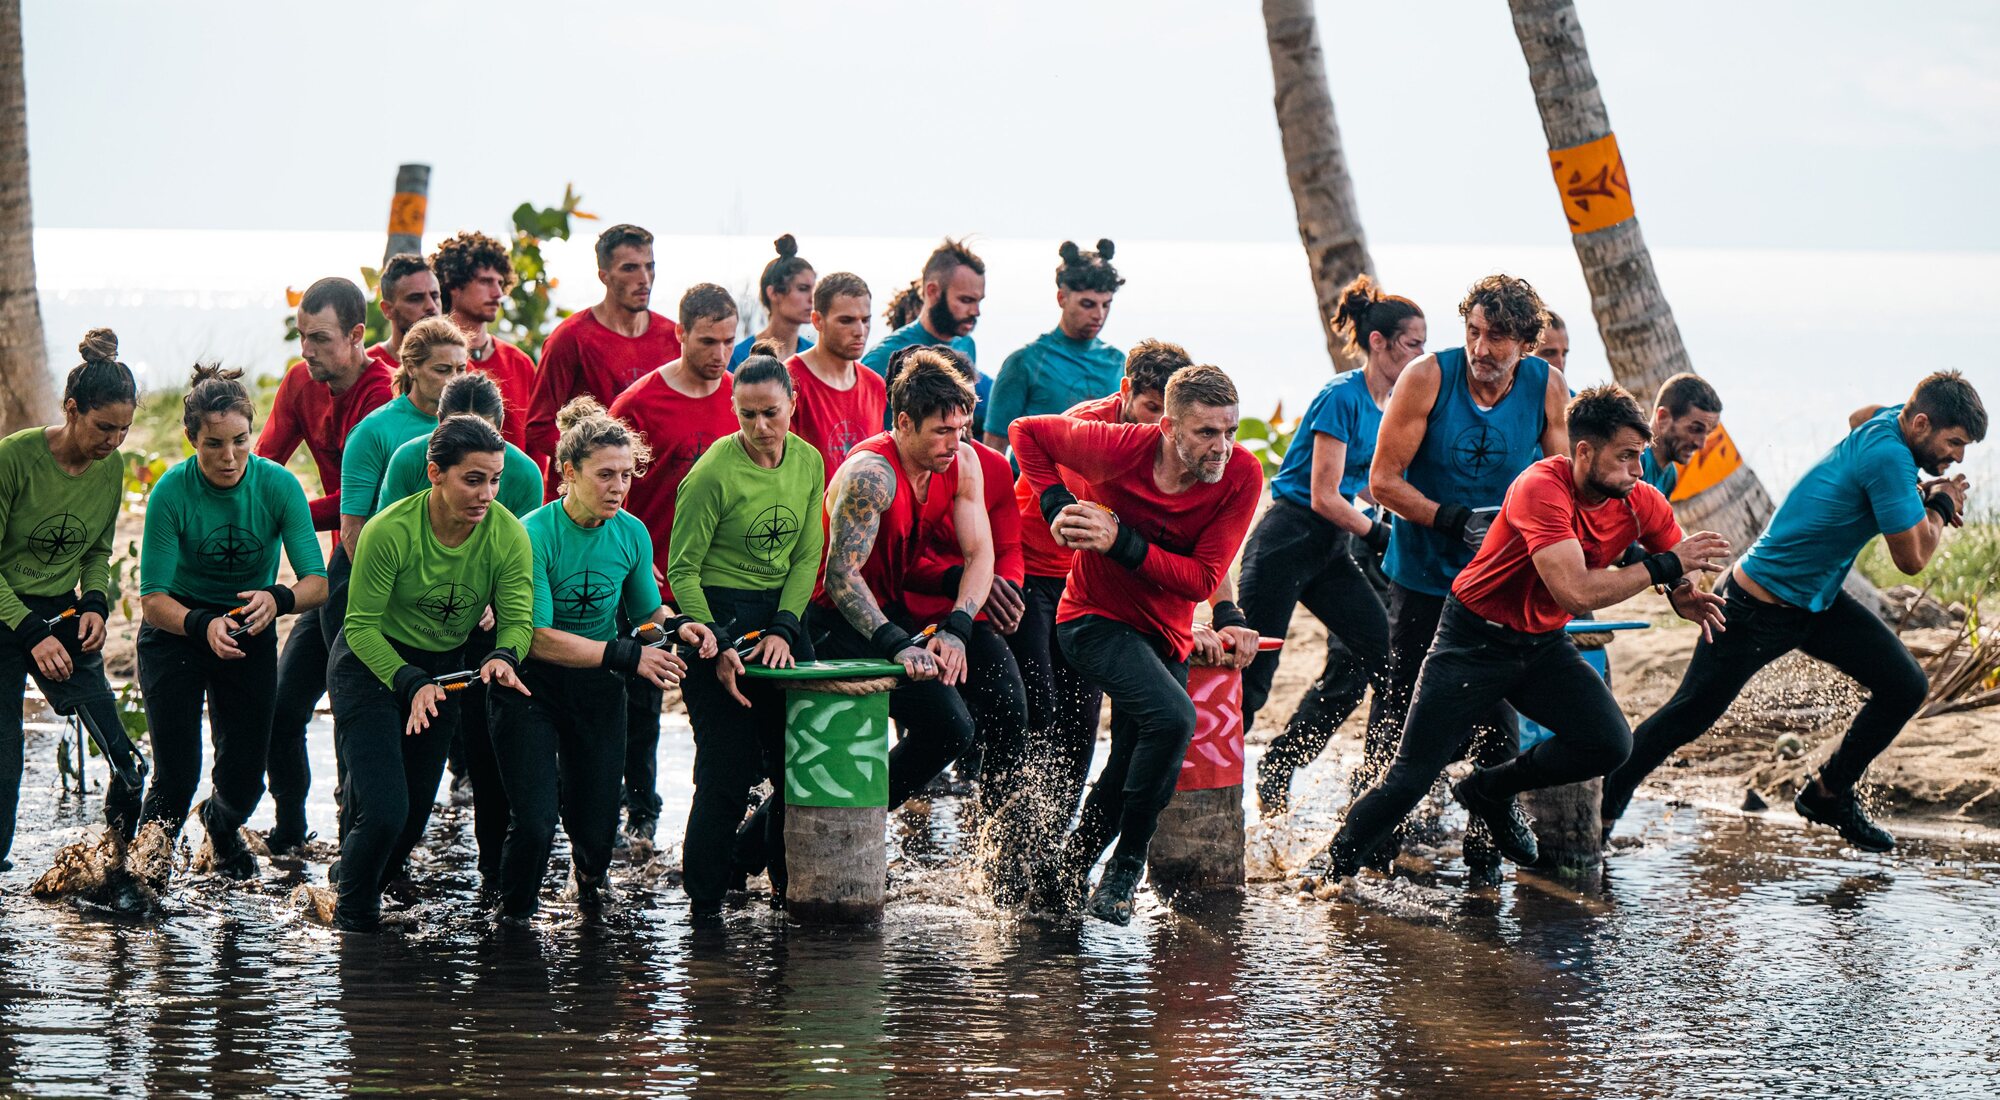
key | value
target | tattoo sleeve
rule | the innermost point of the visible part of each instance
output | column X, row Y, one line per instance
column 863, row 490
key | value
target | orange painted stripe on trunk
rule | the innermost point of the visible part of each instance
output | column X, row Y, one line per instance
column 1717, row 459
column 1591, row 179
column 406, row 213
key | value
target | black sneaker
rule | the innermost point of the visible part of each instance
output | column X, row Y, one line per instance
column 1274, row 788
column 226, row 853
column 641, row 828
column 1112, row 900
column 1513, row 831
column 1843, row 813
column 288, row 843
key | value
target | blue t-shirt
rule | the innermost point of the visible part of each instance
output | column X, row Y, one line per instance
column 1345, row 410
column 915, row 334
column 1050, row 376
column 1865, row 486
column 1660, row 475
column 742, row 351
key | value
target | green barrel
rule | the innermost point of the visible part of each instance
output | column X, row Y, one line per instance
column 836, row 749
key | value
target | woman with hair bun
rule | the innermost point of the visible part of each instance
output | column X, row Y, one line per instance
column 1321, row 520
column 208, row 590
column 786, row 291
column 60, row 488
column 1067, row 365
column 560, row 746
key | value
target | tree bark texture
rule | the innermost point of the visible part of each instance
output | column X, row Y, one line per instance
column 26, row 395
column 1198, row 847
column 836, row 863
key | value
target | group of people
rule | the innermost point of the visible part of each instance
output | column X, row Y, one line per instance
column 526, row 556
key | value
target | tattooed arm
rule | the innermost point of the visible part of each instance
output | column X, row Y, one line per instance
column 861, row 491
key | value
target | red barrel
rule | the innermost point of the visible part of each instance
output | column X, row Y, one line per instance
column 1215, row 755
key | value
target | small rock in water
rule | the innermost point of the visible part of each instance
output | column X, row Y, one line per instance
column 1753, row 802
column 1790, row 746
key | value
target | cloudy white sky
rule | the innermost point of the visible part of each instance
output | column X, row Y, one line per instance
column 1769, row 124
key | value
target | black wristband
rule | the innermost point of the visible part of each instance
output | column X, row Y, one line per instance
column 284, row 597
column 1129, row 548
column 957, row 624
column 622, row 654
column 1633, row 555
column 93, row 601
column 1377, row 538
column 502, row 654
column 673, row 627
column 1664, row 567
column 1451, row 520
column 409, row 680
column 1940, row 502
column 195, row 623
column 785, row 625
column 32, row 630
column 1227, row 613
column 1054, row 499
column 889, row 640
column 951, row 578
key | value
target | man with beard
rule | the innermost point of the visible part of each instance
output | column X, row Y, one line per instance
column 679, row 410
column 409, row 293
column 1460, row 425
column 475, row 273
column 953, row 285
column 1551, row 555
column 1785, row 594
column 1156, row 517
column 1068, row 365
column 602, row 350
column 1687, row 409
column 837, row 404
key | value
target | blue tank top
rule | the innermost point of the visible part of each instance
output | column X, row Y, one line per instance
column 1469, row 456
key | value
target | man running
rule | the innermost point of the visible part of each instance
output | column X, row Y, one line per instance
column 785, row 289
column 678, row 410
column 1785, row 594
column 1550, row 556
column 953, row 285
column 409, row 293
column 603, row 350
column 1067, row 365
column 1161, row 514
column 474, row 273
column 1460, row 425
column 318, row 403
column 1687, row 409
column 837, row 404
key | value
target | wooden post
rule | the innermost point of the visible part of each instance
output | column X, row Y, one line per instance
column 1198, row 846
column 1568, row 828
column 407, row 209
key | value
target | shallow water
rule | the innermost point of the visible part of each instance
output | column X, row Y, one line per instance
column 1724, row 956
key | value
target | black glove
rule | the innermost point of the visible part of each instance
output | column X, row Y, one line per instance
column 1377, row 538
column 1451, row 520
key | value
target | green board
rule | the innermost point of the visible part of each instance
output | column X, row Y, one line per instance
column 850, row 668
column 836, row 749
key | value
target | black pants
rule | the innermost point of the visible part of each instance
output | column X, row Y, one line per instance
column 1295, row 556
column 643, row 703
column 390, row 779
column 997, row 700
column 936, row 725
column 176, row 675
column 85, row 689
column 734, row 750
column 1413, row 624
column 1060, row 733
column 491, row 813
column 561, row 754
column 1846, row 635
column 1152, row 721
column 301, row 682
column 1472, row 665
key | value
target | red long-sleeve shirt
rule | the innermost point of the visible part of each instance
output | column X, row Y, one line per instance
column 514, row 372
column 1195, row 533
column 924, row 594
column 583, row 357
column 1040, row 555
column 309, row 412
column 835, row 420
column 679, row 429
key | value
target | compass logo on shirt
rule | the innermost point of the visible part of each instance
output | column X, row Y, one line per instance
column 445, row 602
column 57, row 539
column 1477, row 450
column 846, row 435
column 229, row 549
column 682, row 458
column 771, row 533
column 582, row 595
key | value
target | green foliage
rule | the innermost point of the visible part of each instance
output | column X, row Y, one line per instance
column 1960, row 572
column 1268, row 438
column 529, row 315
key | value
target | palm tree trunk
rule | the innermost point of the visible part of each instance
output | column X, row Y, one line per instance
column 25, row 394
column 1322, row 191
column 1640, row 337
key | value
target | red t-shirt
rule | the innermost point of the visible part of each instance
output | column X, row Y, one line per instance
column 1194, row 533
column 514, row 372
column 925, row 596
column 582, row 356
column 384, row 354
column 901, row 533
column 679, row 429
column 308, row 412
column 1501, row 583
column 835, row 420
column 1040, row 555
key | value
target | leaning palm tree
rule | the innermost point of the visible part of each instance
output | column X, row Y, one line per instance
column 25, row 395
column 1322, row 191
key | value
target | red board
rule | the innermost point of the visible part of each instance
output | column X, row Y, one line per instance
column 1215, row 755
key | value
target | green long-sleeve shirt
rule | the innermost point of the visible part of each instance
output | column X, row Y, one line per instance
column 369, row 446
column 583, row 575
column 55, row 527
column 410, row 588
column 208, row 544
column 409, row 472
column 740, row 525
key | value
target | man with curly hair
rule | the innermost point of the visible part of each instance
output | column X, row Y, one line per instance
column 474, row 275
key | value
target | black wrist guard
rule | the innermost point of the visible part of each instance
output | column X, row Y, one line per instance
column 673, row 627
column 785, row 625
column 32, row 630
column 1664, row 567
column 1377, row 538
column 284, row 597
column 195, row 624
column 1940, row 502
column 1451, row 520
column 409, row 680
column 957, row 624
column 889, row 640
column 1227, row 613
column 622, row 654
column 1129, row 548
column 1633, row 555
column 92, row 601
column 1054, row 499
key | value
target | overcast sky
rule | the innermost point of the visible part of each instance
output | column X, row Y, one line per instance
column 1768, row 124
